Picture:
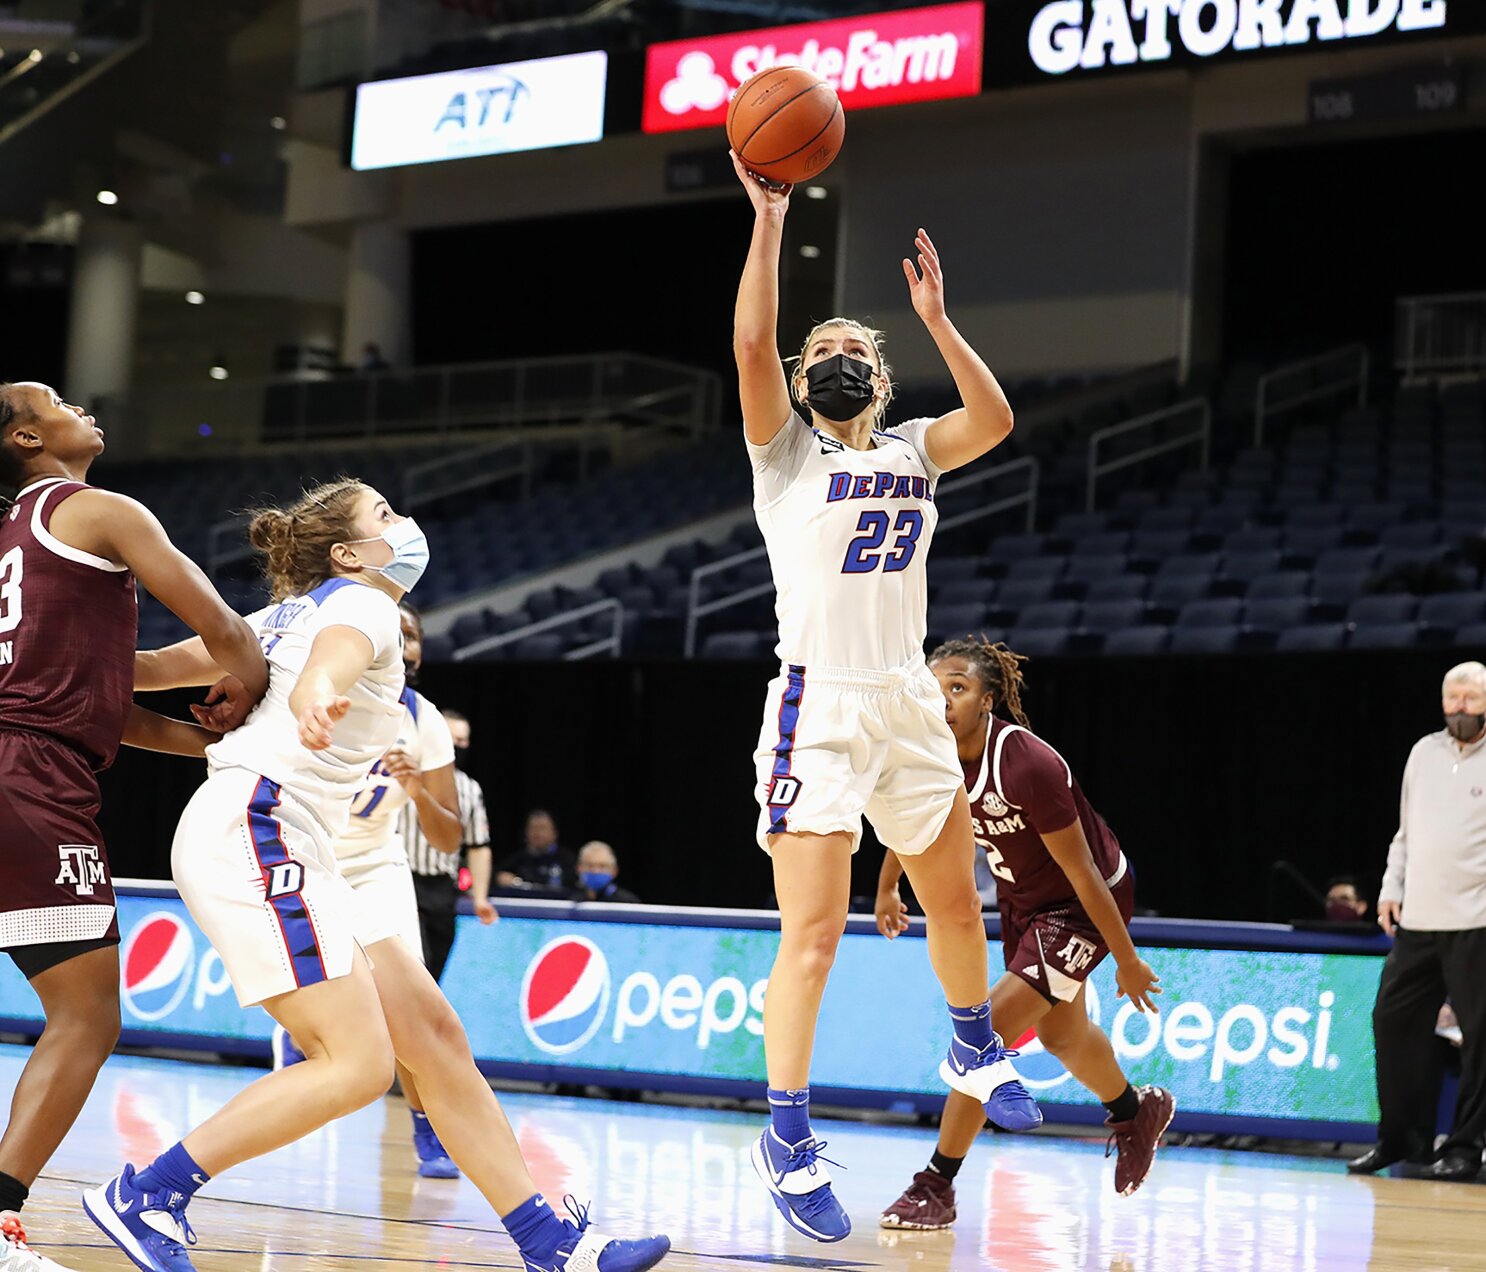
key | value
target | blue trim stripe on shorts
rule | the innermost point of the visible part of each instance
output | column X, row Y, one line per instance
column 789, row 719
column 294, row 919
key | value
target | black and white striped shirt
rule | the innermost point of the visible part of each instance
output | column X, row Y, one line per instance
column 423, row 857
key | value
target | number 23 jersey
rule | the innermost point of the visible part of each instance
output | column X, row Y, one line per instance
column 847, row 533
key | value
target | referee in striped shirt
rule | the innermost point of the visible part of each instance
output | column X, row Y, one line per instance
column 435, row 873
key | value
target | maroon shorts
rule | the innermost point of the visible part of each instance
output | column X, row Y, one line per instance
column 55, row 884
column 1055, row 949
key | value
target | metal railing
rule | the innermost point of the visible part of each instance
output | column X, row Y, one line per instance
column 1440, row 335
column 1310, row 380
column 1200, row 436
column 64, row 56
column 466, row 470
column 697, row 609
column 613, row 643
column 526, row 393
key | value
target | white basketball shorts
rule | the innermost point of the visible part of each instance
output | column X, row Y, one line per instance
column 837, row 743
column 256, row 870
column 386, row 904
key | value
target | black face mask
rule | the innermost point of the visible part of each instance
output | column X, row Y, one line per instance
column 1463, row 726
column 839, row 388
column 462, row 758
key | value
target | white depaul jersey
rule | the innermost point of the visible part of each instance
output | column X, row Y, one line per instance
column 847, row 533
column 268, row 741
column 424, row 734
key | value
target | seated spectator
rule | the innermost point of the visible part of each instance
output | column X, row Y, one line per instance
column 1344, row 903
column 598, row 867
column 371, row 357
column 543, row 863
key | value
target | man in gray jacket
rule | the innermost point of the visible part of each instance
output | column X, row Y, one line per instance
column 1433, row 902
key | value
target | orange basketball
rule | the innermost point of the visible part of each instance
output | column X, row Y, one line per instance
column 786, row 124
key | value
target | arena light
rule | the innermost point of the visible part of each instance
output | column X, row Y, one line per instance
column 218, row 371
column 108, row 198
column 553, row 101
column 816, row 192
column 195, row 298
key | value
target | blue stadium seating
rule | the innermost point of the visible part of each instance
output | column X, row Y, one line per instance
column 1138, row 640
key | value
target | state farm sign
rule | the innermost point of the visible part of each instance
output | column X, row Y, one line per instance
column 880, row 59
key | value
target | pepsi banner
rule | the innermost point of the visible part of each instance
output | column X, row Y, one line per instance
column 1256, row 1036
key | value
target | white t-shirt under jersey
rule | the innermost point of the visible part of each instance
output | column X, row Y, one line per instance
column 268, row 741
column 424, row 734
column 848, row 533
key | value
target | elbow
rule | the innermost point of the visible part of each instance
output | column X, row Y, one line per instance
column 1008, row 423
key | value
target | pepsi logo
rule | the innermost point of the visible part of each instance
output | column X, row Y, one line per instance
column 157, row 958
column 1037, row 1067
column 565, row 994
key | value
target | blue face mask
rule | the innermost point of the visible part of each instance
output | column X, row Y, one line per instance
column 409, row 553
column 596, row 880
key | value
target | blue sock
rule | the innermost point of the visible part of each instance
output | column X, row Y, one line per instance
column 973, row 1025
column 790, row 1111
column 421, row 1124
column 172, row 1171
column 536, row 1231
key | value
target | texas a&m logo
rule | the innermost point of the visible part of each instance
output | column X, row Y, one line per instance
column 1077, row 954
column 81, row 867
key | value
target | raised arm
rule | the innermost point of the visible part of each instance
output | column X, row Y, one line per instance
column 123, row 530
column 985, row 420
column 185, row 665
column 338, row 658
column 762, row 387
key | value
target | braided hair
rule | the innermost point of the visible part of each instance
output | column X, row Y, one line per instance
column 12, row 466
column 996, row 666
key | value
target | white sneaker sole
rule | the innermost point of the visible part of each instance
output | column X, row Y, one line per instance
column 902, row 1225
column 101, row 1211
column 761, row 1168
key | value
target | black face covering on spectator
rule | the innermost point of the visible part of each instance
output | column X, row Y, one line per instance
column 462, row 758
column 840, row 388
column 1463, row 726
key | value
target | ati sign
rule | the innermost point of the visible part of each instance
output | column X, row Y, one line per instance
column 555, row 101
column 881, row 59
column 1090, row 35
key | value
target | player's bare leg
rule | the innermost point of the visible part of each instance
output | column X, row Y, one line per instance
column 928, row 1203
column 434, row 1161
column 80, row 1000
column 812, row 879
column 432, row 1044
column 943, row 879
column 1137, row 1118
column 348, row 1064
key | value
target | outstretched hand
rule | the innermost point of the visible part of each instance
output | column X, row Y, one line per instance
column 318, row 720
column 764, row 195
column 926, row 283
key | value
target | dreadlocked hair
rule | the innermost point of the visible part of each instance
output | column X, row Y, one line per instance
column 295, row 542
column 12, row 466
column 997, row 666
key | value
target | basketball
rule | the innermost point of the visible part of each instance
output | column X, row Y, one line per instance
column 786, row 124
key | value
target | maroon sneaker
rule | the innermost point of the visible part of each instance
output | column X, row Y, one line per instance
column 1136, row 1141
column 927, row 1204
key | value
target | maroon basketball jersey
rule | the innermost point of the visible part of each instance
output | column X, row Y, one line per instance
column 68, row 625
column 1020, row 790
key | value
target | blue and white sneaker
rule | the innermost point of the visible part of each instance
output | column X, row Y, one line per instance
column 285, row 1052
column 434, row 1161
column 151, row 1228
column 988, row 1076
column 801, row 1186
column 587, row 1251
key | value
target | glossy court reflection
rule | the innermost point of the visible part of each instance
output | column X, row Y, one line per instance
column 349, row 1197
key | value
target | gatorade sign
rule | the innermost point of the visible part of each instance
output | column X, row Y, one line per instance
column 882, row 59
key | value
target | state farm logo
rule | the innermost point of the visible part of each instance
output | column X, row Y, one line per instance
column 913, row 55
